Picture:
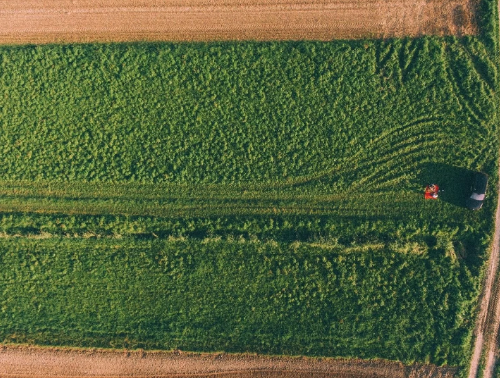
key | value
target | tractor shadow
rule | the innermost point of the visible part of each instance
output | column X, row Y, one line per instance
column 454, row 182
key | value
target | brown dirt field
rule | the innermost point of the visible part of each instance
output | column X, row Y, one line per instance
column 52, row 21
column 29, row 362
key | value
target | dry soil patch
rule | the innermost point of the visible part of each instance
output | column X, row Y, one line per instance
column 48, row 21
column 29, row 362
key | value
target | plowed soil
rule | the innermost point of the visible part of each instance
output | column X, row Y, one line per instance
column 32, row 362
column 49, row 21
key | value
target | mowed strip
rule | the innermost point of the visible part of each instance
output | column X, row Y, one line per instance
column 52, row 21
column 170, row 200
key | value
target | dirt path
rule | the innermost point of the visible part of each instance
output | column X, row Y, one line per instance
column 491, row 345
column 494, row 316
column 489, row 315
column 46, row 21
column 489, row 312
column 32, row 362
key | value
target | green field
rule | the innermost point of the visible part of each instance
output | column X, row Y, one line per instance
column 234, row 295
column 261, row 197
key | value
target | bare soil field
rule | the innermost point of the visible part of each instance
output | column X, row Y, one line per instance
column 52, row 21
column 57, row 363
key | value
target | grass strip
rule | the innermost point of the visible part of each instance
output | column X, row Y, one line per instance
column 237, row 296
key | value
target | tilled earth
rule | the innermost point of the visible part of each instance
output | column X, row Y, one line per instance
column 52, row 21
column 57, row 363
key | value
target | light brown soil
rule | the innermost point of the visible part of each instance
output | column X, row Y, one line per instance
column 32, row 362
column 46, row 21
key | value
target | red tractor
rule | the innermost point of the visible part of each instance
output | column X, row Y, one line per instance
column 431, row 191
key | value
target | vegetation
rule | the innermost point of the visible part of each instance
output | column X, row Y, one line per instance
column 268, row 113
column 237, row 295
column 263, row 197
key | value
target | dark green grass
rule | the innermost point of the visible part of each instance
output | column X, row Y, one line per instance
column 237, row 163
column 407, row 303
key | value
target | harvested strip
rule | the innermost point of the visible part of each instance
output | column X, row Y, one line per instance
column 25, row 362
column 204, row 20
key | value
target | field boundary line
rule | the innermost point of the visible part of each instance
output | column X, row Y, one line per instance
column 489, row 314
column 490, row 345
column 489, row 318
column 487, row 299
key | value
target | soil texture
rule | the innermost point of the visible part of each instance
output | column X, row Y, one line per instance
column 29, row 362
column 55, row 21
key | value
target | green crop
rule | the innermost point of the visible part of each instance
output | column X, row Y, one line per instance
column 399, row 303
column 270, row 113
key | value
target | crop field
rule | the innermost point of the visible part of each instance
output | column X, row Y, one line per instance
column 247, row 197
column 234, row 296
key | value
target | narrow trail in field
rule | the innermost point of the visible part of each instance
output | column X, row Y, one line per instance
column 488, row 321
column 491, row 351
column 489, row 315
column 491, row 343
column 488, row 318
column 53, row 21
